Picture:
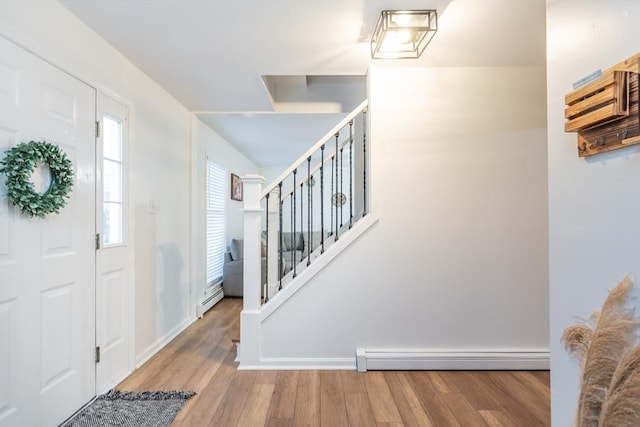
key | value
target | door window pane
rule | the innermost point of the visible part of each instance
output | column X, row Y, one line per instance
column 112, row 214
column 112, row 132
column 112, row 181
column 112, row 194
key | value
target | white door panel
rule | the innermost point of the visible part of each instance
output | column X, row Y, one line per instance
column 7, row 232
column 47, row 266
column 112, row 320
column 114, row 292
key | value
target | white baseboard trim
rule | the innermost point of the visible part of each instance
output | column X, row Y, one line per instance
column 398, row 360
column 150, row 351
column 302, row 364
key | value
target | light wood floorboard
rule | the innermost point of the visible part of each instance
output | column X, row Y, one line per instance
column 201, row 359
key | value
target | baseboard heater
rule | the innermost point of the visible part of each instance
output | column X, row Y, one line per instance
column 399, row 360
column 211, row 299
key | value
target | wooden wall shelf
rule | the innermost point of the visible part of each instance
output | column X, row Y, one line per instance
column 605, row 111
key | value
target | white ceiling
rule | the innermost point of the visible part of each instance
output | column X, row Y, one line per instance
column 211, row 54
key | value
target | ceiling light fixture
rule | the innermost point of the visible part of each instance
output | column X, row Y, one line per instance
column 403, row 33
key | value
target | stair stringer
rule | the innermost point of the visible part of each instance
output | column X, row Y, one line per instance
column 284, row 296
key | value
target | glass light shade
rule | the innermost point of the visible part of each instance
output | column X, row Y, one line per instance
column 403, row 33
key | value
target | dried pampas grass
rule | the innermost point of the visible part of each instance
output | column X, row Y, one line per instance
column 577, row 339
column 600, row 348
column 621, row 406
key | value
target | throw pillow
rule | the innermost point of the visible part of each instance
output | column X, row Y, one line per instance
column 292, row 242
column 237, row 249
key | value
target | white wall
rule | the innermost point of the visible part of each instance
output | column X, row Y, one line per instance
column 270, row 173
column 208, row 143
column 159, row 156
column 594, row 225
column 458, row 260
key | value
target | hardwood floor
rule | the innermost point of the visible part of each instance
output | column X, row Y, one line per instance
column 201, row 359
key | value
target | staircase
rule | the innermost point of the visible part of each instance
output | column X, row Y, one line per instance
column 295, row 226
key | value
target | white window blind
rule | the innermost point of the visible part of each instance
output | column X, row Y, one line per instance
column 215, row 222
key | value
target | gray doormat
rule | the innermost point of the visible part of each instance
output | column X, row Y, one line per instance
column 131, row 409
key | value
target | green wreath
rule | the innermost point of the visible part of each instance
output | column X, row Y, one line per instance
column 18, row 166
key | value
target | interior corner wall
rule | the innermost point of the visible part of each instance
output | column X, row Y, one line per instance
column 594, row 203
column 206, row 142
column 159, row 161
column 458, row 260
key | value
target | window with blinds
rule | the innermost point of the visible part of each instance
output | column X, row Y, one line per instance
column 215, row 222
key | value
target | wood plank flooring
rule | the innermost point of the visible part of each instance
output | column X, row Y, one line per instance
column 201, row 359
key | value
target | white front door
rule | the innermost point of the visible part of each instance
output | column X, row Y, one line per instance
column 114, row 292
column 47, row 266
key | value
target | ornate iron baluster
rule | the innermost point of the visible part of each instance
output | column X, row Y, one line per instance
column 293, row 234
column 290, row 242
column 322, row 199
column 364, row 160
column 266, row 267
column 334, row 197
column 350, row 173
column 341, row 201
column 331, row 198
column 301, row 222
column 280, row 261
column 309, row 211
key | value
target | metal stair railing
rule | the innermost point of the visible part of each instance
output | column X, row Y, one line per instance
column 311, row 204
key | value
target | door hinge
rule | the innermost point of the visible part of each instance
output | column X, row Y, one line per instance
column 97, row 354
column 97, row 129
column 97, row 241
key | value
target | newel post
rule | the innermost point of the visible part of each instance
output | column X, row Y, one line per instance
column 250, row 332
column 252, row 187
